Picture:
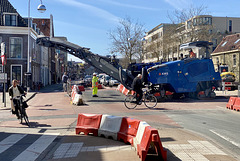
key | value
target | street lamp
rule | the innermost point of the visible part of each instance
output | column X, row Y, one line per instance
column 41, row 8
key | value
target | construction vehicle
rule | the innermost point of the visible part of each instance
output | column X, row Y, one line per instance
column 228, row 78
column 192, row 77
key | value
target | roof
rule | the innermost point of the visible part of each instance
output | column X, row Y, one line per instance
column 6, row 6
column 230, row 42
column 43, row 24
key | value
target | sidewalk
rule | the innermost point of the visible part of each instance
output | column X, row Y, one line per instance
column 8, row 105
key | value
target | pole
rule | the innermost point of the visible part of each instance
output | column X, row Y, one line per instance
column 4, row 87
column 28, row 56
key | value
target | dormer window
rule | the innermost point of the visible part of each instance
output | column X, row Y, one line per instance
column 10, row 19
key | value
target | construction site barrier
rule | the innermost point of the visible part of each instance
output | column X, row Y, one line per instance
column 88, row 123
column 231, row 102
column 138, row 138
column 100, row 86
column 110, row 126
column 151, row 136
column 81, row 88
column 128, row 129
column 138, row 133
column 76, row 96
column 236, row 105
column 122, row 89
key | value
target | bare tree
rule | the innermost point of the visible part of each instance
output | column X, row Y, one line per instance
column 127, row 39
column 180, row 16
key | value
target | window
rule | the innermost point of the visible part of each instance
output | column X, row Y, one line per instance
column 15, row 47
column 217, row 60
column 224, row 44
column 234, row 43
column 230, row 25
column 234, row 60
column 10, row 20
column 17, row 72
column 189, row 24
column 0, row 40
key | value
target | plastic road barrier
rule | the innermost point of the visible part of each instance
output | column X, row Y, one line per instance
column 236, row 105
column 76, row 95
column 88, row 123
column 110, row 126
column 77, row 99
column 100, row 86
column 138, row 138
column 81, row 88
column 231, row 102
column 128, row 129
column 150, row 135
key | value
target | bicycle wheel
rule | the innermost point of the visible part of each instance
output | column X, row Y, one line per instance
column 24, row 114
column 130, row 102
column 150, row 101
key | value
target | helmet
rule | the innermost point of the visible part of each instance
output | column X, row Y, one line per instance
column 94, row 74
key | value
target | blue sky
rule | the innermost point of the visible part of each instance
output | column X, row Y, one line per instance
column 87, row 22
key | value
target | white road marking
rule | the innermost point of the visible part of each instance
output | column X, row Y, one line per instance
column 226, row 138
column 10, row 141
column 35, row 149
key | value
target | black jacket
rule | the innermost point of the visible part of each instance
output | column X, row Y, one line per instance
column 137, row 84
column 11, row 91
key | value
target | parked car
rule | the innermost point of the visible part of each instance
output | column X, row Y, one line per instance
column 88, row 80
column 113, row 82
column 100, row 76
column 105, row 80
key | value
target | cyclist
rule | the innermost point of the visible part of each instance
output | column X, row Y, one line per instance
column 14, row 91
column 137, row 87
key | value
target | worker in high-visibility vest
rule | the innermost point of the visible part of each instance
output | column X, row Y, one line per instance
column 94, row 85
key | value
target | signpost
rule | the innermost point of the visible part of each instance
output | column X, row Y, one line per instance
column 3, row 58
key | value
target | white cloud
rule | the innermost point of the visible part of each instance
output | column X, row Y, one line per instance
column 91, row 9
column 179, row 4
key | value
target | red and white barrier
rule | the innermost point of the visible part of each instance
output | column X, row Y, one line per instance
column 236, row 105
column 76, row 96
column 151, row 135
column 122, row 89
column 110, row 126
column 231, row 102
column 138, row 138
column 138, row 133
column 128, row 129
column 88, row 123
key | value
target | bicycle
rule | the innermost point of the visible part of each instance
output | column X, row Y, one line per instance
column 22, row 110
column 149, row 100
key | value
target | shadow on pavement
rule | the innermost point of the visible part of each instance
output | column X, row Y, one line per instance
column 36, row 124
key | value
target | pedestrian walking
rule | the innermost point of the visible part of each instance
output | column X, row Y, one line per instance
column 94, row 85
column 64, row 80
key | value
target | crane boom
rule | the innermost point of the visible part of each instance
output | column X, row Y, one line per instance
column 102, row 63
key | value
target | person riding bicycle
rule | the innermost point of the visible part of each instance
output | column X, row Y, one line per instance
column 137, row 87
column 14, row 91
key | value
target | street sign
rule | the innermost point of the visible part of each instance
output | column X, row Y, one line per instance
column 3, row 48
column 2, row 77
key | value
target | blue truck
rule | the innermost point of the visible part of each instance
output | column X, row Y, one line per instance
column 190, row 77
